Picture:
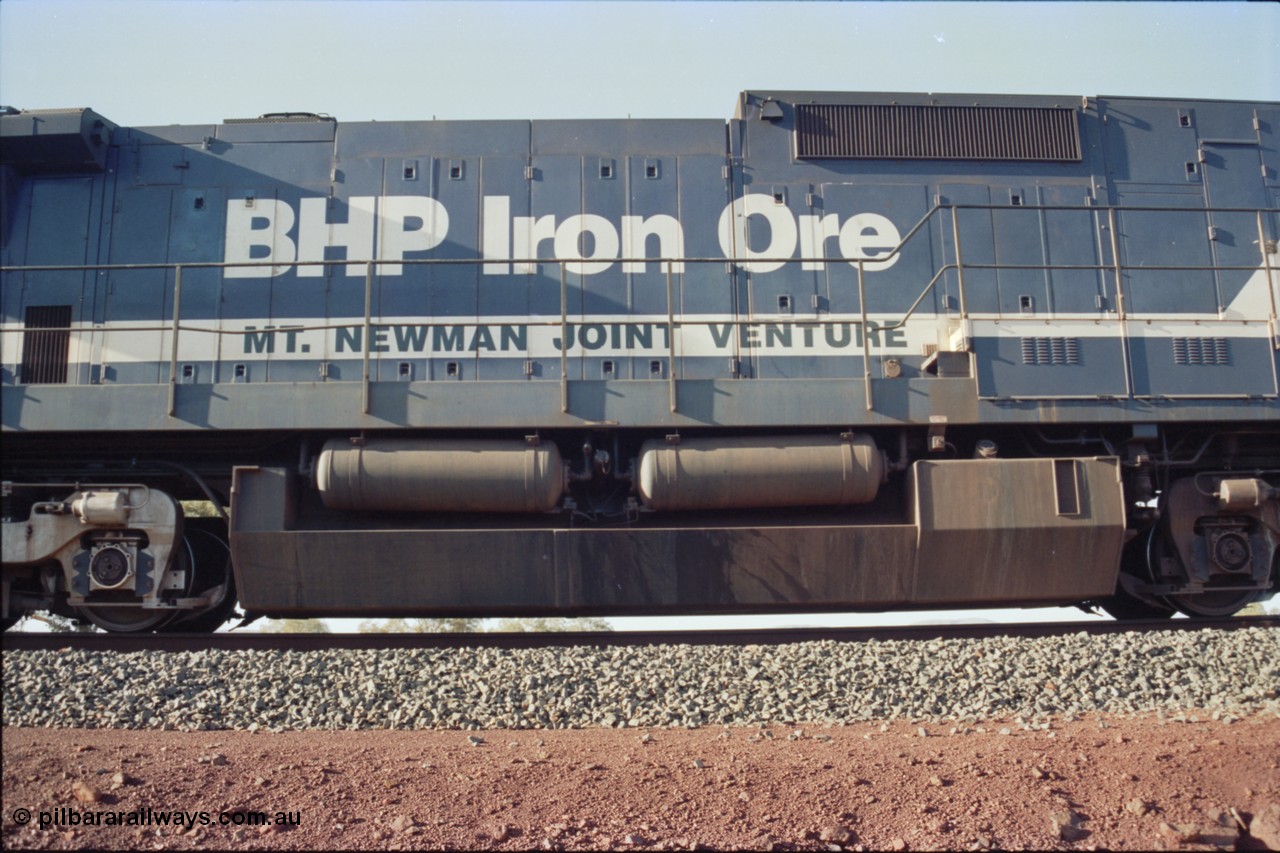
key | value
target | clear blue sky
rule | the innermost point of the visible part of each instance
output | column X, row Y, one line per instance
column 147, row 62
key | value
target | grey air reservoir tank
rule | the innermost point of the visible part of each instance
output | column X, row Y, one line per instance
column 724, row 473
column 429, row 475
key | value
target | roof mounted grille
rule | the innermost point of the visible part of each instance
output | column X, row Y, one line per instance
column 280, row 117
column 864, row 131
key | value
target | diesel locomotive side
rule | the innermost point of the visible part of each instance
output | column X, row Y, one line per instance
column 844, row 351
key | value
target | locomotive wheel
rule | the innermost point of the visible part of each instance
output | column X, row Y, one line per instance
column 1208, row 604
column 1222, row 603
column 125, row 620
column 1123, row 605
column 207, row 559
column 1188, row 553
column 136, row 620
column 211, row 556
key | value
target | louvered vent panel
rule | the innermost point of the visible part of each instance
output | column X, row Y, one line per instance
column 854, row 131
column 1050, row 350
column 1201, row 351
column 44, row 353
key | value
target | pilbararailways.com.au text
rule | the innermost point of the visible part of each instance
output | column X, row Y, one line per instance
column 64, row 817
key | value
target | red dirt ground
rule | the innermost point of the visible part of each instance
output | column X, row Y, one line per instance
column 1119, row 784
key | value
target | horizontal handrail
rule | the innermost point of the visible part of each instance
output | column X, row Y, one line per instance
column 554, row 320
column 878, row 259
column 664, row 266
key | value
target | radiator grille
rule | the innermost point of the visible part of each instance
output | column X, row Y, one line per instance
column 44, row 353
column 1050, row 350
column 1211, row 351
column 854, row 131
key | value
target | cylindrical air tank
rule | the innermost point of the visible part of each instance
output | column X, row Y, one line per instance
column 430, row 475
column 724, row 473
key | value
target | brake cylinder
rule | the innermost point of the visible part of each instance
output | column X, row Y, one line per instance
column 725, row 473
column 427, row 475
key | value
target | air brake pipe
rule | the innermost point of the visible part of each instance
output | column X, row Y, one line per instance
column 904, row 462
column 581, row 477
column 199, row 481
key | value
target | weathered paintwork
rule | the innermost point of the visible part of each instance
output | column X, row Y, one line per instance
column 1030, row 531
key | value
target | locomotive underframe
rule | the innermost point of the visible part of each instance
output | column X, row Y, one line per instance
column 989, row 517
column 1061, row 523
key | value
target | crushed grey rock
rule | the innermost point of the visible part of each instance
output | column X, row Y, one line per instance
column 1231, row 674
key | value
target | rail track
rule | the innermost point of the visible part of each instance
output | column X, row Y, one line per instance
column 18, row 641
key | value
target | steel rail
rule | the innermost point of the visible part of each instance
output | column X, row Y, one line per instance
column 19, row 641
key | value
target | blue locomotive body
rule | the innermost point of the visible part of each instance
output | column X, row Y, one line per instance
column 844, row 351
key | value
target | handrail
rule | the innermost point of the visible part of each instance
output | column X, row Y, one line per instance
column 533, row 321
column 671, row 341
column 1121, row 308
column 959, row 265
column 1266, row 263
column 564, row 341
column 173, row 355
column 755, row 259
column 368, row 326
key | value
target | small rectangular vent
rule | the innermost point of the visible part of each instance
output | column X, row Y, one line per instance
column 863, row 131
column 1050, row 350
column 1066, row 483
column 1211, row 351
column 44, row 353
